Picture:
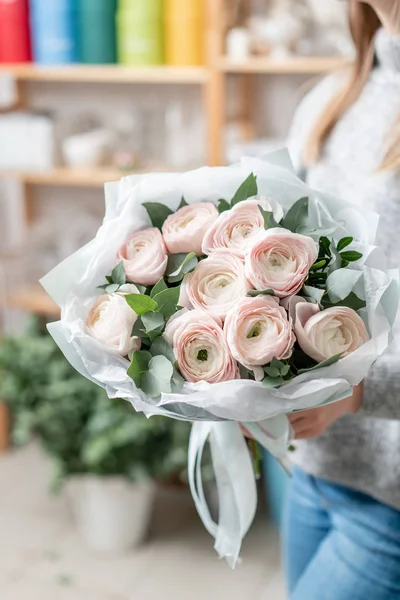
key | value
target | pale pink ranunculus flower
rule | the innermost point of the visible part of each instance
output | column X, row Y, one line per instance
column 200, row 347
column 236, row 229
column 217, row 284
column 323, row 334
column 280, row 260
column 184, row 230
column 144, row 256
column 110, row 322
column 258, row 330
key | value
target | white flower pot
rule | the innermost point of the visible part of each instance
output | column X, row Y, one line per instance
column 112, row 514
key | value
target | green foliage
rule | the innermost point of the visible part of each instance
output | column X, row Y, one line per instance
column 255, row 293
column 180, row 265
column 223, row 205
column 141, row 304
column 158, row 213
column 269, row 219
column 183, row 203
column 80, row 428
column 296, row 216
column 248, row 189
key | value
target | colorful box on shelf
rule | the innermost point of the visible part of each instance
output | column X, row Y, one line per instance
column 54, row 30
column 184, row 32
column 140, row 32
column 97, row 34
column 15, row 46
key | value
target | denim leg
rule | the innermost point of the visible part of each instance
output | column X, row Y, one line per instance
column 306, row 525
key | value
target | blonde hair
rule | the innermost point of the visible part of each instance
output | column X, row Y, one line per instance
column 364, row 23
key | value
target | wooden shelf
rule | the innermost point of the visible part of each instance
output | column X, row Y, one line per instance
column 291, row 65
column 67, row 177
column 32, row 299
column 107, row 74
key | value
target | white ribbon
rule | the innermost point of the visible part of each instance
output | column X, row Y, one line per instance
column 234, row 475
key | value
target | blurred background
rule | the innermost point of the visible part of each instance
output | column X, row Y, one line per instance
column 94, row 502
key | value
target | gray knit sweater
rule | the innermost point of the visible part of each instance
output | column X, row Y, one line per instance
column 362, row 450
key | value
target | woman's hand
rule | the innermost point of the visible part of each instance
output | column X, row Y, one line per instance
column 312, row 423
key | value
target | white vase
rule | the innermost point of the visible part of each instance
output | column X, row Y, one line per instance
column 112, row 514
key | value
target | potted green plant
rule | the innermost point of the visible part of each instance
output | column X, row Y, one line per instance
column 107, row 456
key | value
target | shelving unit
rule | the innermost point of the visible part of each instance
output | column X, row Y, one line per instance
column 293, row 65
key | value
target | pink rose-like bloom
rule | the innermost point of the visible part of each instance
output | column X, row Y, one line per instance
column 258, row 330
column 144, row 256
column 184, row 230
column 200, row 347
column 110, row 322
column 323, row 334
column 217, row 284
column 280, row 260
column 236, row 229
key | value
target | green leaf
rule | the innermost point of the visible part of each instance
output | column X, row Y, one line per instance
column 326, row 363
column 167, row 301
column 118, row 274
column 325, row 246
column 269, row 219
column 139, row 366
column 255, row 293
column 183, row 203
column 248, row 189
column 272, row 382
column 321, row 264
column 159, row 287
column 158, row 377
column 272, row 372
column 153, row 321
column 162, row 347
column 139, row 330
column 180, row 265
column 109, row 278
column 177, row 378
column 343, row 243
column 141, row 288
column 350, row 256
column 285, row 370
column 141, row 304
column 112, row 288
column 158, row 213
column 351, row 301
column 223, row 206
column 277, row 364
column 297, row 215
column 313, row 293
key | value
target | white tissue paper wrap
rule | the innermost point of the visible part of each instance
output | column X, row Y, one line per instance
column 218, row 409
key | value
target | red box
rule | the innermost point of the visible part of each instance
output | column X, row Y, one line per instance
column 15, row 45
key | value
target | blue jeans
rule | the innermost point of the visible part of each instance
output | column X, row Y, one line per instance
column 339, row 544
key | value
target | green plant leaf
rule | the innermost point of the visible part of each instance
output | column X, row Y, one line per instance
column 272, row 372
column 185, row 265
column 350, row 256
column 223, row 206
column 313, row 293
column 109, row 279
column 321, row 264
column 247, row 189
column 276, row 363
column 183, row 203
column 177, row 378
column 153, row 321
column 139, row 366
column 162, row 347
column 159, row 287
column 167, row 301
column 158, row 378
column 326, row 363
column 343, row 243
column 118, row 274
column 139, row 330
column 269, row 219
column 158, row 213
column 325, row 246
column 351, row 301
column 141, row 288
column 285, row 370
column 272, row 382
column 112, row 288
column 141, row 304
column 255, row 293
column 296, row 216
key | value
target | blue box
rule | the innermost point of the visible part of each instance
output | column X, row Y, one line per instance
column 54, row 28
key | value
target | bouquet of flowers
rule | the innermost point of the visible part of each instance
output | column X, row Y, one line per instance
column 226, row 296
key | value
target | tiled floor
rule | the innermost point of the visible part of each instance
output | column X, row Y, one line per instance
column 41, row 556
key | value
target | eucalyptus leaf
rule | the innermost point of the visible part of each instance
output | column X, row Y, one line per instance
column 313, row 293
column 343, row 243
column 141, row 288
column 277, row 364
column 326, row 363
column 351, row 301
column 223, row 205
column 296, row 216
column 112, row 288
column 185, row 266
column 141, row 304
column 272, row 382
column 138, row 329
column 162, row 347
column 255, row 293
column 139, row 366
column 177, row 378
column 158, row 213
column 157, row 379
column 272, row 372
column 118, row 274
column 183, row 203
column 167, row 301
column 247, row 189
column 159, row 287
column 285, row 370
column 153, row 321
column 109, row 279
column 269, row 219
